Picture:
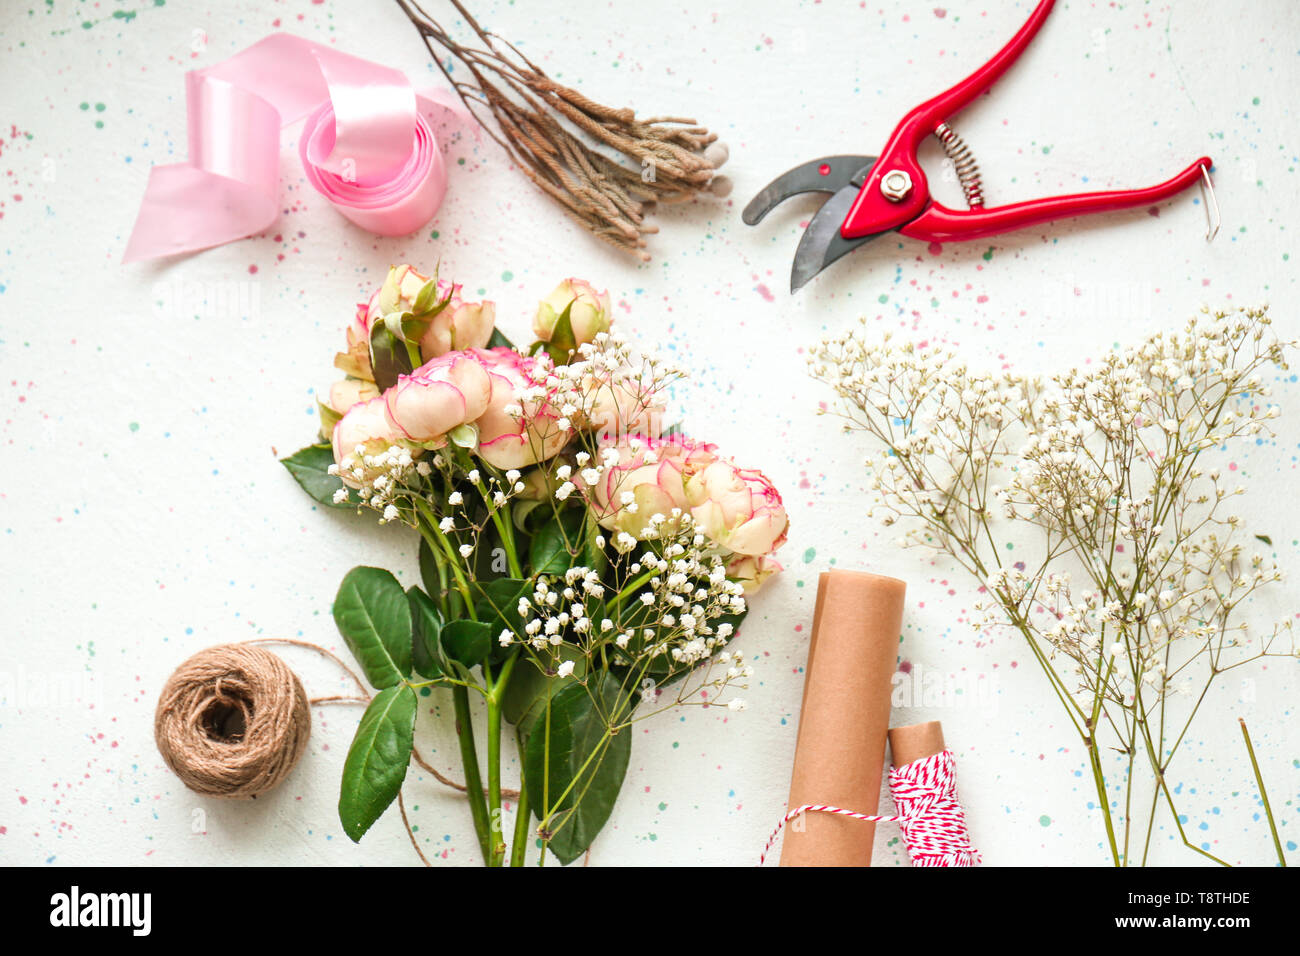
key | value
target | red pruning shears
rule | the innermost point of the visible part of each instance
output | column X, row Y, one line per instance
column 872, row 195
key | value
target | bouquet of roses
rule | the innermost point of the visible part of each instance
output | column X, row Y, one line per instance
column 582, row 566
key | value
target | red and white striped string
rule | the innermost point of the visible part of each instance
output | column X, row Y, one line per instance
column 931, row 818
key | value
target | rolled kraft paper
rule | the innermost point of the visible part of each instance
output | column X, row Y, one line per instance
column 840, row 752
column 915, row 742
column 367, row 147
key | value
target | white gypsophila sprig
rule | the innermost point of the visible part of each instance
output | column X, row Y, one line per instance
column 659, row 612
column 1131, row 592
column 383, row 480
column 611, row 390
column 430, row 492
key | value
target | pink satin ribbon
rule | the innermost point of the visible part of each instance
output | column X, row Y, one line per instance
column 367, row 147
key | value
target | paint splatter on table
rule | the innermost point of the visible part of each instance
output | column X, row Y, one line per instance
column 144, row 515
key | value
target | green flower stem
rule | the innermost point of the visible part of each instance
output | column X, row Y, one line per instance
column 1099, row 778
column 519, row 844
column 413, row 353
column 1263, row 794
column 1162, row 787
column 429, row 529
column 498, row 843
column 496, row 687
column 505, row 527
column 617, row 601
column 601, row 751
column 440, row 561
column 611, row 728
column 508, row 539
column 444, row 681
column 473, row 782
column 1086, row 731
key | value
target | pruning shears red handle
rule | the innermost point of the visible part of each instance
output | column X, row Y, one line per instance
column 871, row 195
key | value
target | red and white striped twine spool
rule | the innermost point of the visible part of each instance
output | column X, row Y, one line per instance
column 931, row 818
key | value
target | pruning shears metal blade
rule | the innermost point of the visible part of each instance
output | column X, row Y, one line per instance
column 822, row 242
column 828, row 174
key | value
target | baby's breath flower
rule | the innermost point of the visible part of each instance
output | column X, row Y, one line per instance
column 1096, row 475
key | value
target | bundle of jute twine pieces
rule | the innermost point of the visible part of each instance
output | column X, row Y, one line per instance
column 604, row 166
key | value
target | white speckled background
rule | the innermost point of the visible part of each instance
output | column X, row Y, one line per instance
column 143, row 514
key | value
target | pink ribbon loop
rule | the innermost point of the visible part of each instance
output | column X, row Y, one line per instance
column 367, row 146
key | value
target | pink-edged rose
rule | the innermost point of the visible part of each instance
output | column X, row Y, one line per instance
column 460, row 325
column 346, row 392
column 439, row 396
column 751, row 571
column 520, row 426
column 737, row 507
column 648, row 479
column 589, row 312
column 364, row 430
column 356, row 360
column 615, row 407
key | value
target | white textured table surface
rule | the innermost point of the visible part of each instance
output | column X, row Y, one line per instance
column 143, row 514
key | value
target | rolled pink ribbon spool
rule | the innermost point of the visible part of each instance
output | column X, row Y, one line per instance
column 391, row 205
column 367, row 147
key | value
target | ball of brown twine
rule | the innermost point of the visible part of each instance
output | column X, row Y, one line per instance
column 232, row 721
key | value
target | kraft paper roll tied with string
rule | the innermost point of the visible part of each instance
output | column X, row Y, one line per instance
column 232, row 721
column 844, row 718
column 367, row 146
column 923, row 786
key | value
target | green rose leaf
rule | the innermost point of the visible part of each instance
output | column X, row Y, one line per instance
column 526, row 515
column 389, row 356
column 429, row 569
column 557, row 754
column 377, row 760
column 562, row 340
column 497, row 606
column 466, row 642
column 499, row 340
column 497, row 602
column 549, row 552
column 427, row 625
column 310, row 468
column 529, row 689
column 374, row 617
